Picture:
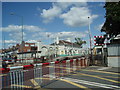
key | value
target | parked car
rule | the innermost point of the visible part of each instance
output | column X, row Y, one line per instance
column 8, row 60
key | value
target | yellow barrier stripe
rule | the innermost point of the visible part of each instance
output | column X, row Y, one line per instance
column 99, row 77
column 102, row 72
column 75, row 84
column 24, row 86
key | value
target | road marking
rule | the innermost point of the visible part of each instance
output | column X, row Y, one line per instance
column 24, row 86
column 54, row 78
column 42, row 78
column 35, row 83
column 112, row 77
column 49, row 66
column 92, row 83
column 99, row 77
column 3, row 75
column 75, row 81
column 75, row 84
column 102, row 72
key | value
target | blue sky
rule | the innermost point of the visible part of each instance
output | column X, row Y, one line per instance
column 40, row 19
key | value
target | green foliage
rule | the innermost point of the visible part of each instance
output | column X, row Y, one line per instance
column 112, row 23
column 79, row 41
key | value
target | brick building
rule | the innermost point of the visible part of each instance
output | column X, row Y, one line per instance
column 27, row 47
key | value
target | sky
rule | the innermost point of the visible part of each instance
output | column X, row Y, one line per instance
column 45, row 21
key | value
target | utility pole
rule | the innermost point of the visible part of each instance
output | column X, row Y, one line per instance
column 90, row 39
column 21, row 31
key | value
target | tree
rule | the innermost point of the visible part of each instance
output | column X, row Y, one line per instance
column 79, row 41
column 112, row 23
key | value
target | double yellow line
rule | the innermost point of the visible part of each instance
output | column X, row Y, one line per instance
column 99, row 77
column 101, row 72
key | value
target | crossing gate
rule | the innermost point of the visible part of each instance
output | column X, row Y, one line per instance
column 42, row 73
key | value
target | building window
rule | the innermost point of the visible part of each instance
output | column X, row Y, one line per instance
column 26, row 45
column 28, row 50
column 32, row 45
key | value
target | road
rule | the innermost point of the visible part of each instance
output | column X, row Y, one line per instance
column 89, row 78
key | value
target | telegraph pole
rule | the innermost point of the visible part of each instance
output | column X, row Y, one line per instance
column 90, row 36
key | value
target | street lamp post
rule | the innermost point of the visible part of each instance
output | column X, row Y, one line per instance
column 21, row 30
column 90, row 39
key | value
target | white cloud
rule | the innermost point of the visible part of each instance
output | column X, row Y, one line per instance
column 57, row 8
column 99, row 26
column 62, row 35
column 77, row 16
column 50, row 14
column 74, row 14
column 72, row 34
column 10, row 41
column 10, row 28
column 31, row 41
column 17, row 35
column 64, row 5
column 30, row 28
column 72, row 0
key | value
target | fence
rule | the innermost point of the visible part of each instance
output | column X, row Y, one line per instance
column 43, row 73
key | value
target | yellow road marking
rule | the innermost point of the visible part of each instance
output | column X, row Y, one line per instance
column 4, row 75
column 49, row 66
column 37, row 87
column 99, row 77
column 111, row 77
column 67, row 70
column 35, row 83
column 24, row 86
column 58, row 73
column 102, row 72
column 42, row 78
column 75, row 84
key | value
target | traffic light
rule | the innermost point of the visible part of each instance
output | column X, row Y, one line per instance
column 99, row 40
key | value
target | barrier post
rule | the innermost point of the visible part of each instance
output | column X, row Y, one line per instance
column 57, row 69
column 45, row 73
column 38, row 73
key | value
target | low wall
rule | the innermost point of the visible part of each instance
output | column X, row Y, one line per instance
column 114, row 61
column 114, row 55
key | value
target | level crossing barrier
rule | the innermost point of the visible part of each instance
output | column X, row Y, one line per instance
column 42, row 73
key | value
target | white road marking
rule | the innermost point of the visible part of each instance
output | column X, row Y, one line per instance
column 92, row 83
column 86, row 82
